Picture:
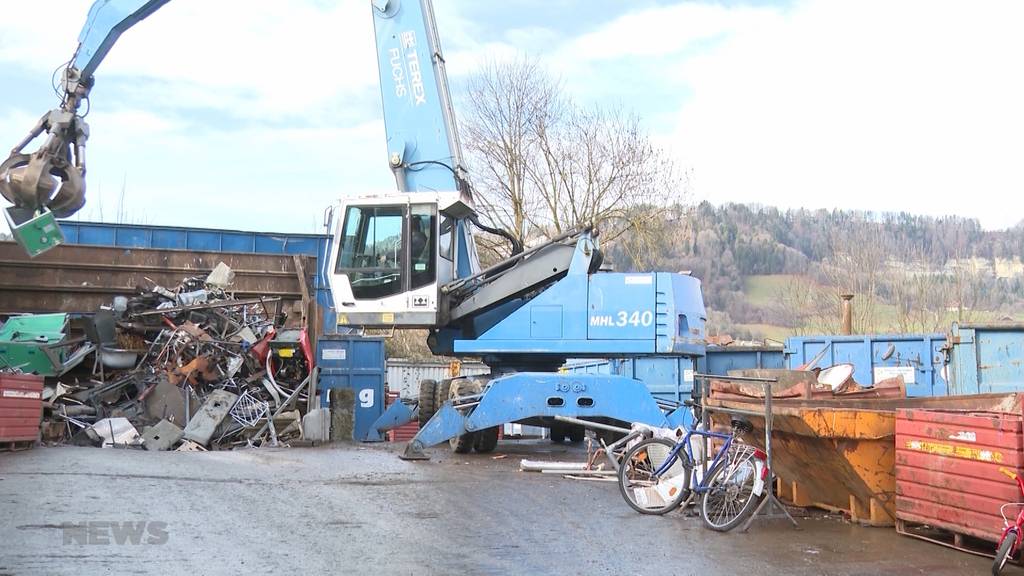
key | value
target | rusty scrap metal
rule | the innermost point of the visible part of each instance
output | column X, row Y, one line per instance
column 231, row 303
column 195, row 342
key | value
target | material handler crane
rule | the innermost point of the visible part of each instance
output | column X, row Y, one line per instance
column 408, row 259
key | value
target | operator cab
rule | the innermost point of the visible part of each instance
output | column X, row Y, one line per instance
column 392, row 253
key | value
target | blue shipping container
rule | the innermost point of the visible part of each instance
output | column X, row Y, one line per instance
column 919, row 358
column 986, row 358
column 671, row 377
column 212, row 240
column 722, row 359
column 355, row 362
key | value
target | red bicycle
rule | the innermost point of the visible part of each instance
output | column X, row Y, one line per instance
column 1013, row 532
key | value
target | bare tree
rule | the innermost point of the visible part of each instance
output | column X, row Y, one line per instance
column 856, row 266
column 410, row 344
column 919, row 293
column 543, row 164
column 968, row 285
column 507, row 101
column 652, row 229
column 793, row 303
column 601, row 167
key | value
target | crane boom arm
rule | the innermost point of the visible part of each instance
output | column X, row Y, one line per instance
column 423, row 144
column 106, row 21
column 53, row 177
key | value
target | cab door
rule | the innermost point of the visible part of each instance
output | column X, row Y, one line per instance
column 386, row 264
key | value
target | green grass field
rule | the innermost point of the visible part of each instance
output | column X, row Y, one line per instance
column 761, row 291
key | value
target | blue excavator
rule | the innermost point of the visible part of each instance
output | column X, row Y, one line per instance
column 408, row 259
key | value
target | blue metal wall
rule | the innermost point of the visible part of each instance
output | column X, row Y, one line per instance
column 199, row 239
column 671, row 377
column 918, row 357
column 720, row 360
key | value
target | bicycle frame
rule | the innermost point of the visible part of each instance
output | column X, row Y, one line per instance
column 1017, row 527
column 684, row 444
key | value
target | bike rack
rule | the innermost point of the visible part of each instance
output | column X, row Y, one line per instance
column 771, row 501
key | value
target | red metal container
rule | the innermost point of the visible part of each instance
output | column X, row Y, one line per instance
column 405, row 432
column 947, row 469
column 21, row 409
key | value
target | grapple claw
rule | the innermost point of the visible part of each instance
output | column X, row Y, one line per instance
column 42, row 179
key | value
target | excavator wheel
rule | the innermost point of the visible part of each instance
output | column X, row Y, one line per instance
column 559, row 432
column 428, row 400
column 486, row 440
column 462, row 443
column 441, row 393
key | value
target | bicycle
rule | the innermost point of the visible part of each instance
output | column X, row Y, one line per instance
column 1010, row 541
column 654, row 477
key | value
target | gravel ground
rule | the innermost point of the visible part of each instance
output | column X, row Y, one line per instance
column 358, row 509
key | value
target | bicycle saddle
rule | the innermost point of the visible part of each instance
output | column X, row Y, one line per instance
column 741, row 426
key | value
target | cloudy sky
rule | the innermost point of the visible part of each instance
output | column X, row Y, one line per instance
column 257, row 114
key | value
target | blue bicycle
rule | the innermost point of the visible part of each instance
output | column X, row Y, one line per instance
column 654, row 476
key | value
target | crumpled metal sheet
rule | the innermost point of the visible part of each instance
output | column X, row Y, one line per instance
column 117, row 432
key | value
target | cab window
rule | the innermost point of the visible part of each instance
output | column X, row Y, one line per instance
column 422, row 245
column 371, row 250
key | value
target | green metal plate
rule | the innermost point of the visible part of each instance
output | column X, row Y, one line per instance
column 23, row 340
column 36, row 233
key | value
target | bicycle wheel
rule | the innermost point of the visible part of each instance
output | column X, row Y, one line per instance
column 729, row 497
column 641, row 490
column 1004, row 552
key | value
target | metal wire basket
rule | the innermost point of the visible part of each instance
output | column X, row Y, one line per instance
column 248, row 411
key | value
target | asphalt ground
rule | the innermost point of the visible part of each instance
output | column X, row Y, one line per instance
column 359, row 509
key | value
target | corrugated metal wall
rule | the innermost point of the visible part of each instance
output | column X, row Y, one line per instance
column 404, row 375
column 73, row 278
column 212, row 240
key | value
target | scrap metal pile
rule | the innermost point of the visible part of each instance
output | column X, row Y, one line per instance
column 186, row 368
column 833, row 383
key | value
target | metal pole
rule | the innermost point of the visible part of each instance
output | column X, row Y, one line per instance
column 735, row 378
column 768, row 430
column 770, row 500
column 589, row 424
column 705, row 420
column 311, row 392
column 847, row 314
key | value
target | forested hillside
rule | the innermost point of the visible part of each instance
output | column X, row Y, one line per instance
column 767, row 271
